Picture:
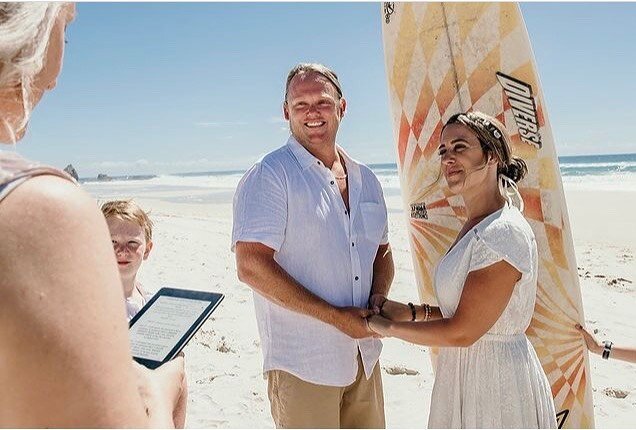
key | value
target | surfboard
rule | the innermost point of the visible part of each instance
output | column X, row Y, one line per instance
column 445, row 58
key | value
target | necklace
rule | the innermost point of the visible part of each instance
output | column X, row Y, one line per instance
column 341, row 177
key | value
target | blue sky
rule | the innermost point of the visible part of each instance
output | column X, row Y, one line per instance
column 165, row 87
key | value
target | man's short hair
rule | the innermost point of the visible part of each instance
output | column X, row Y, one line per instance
column 321, row 69
column 128, row 210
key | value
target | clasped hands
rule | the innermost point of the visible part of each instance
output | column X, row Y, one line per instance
column 385, row 312
column 375, row 321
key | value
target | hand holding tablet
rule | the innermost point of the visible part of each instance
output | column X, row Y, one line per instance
column 167, row 322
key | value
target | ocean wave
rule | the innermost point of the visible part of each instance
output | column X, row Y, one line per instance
column 619, row 164
column 190, row 181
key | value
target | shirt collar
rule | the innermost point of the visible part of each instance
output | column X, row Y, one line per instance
column 306, row 159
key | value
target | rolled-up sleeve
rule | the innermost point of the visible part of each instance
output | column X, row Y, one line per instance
column 260, row 208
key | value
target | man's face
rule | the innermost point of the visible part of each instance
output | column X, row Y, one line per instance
column 313, row 109
column 129, row 244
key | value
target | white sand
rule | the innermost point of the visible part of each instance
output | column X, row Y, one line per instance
column 192, row 239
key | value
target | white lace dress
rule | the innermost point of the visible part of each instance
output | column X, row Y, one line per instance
column 498, row 381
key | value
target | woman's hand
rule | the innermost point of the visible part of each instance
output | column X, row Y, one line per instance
column 379, row 324
column 163, row 391
column 593, row 345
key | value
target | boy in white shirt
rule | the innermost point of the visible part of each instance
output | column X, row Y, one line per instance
column 131, row 233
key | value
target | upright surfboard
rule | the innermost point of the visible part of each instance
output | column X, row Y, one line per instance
column 445, row 58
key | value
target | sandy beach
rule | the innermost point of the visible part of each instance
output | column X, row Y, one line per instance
column 227, row 390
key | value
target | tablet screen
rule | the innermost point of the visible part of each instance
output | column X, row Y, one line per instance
column 158, row 330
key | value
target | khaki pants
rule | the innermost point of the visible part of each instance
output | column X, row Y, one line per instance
column 299, row 404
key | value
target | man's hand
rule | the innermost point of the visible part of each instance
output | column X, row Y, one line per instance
column 352, row 322
column 376, row 301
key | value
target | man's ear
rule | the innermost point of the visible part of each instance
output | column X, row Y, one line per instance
column 285, row 111
column 148, row 249
column 343, row 107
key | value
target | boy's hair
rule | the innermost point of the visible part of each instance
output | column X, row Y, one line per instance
column 128, row 210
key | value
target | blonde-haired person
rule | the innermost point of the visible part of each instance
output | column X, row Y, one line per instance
column 63, row 363
column 488, row 374
column 130, row 230
column 131, row 235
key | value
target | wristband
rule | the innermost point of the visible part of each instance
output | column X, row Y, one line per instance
column 607, row 349
column 412, row 306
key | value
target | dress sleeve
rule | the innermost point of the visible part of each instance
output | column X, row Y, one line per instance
column 260, row 208
column 504, row 241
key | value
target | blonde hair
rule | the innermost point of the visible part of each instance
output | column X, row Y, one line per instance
column 25, row 30
column 128, row 210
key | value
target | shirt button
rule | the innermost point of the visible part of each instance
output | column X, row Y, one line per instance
column 332, row 182
column 318, row 162
column 353, row 244
column 346, row 212
column 356, row 278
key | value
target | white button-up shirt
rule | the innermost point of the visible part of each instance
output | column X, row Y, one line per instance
column 290, row 202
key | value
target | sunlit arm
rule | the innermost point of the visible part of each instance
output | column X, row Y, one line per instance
column 485, row 295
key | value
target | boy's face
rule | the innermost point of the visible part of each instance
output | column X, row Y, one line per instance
column 129, row 243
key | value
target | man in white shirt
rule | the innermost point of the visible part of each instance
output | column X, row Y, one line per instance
column 311, row 238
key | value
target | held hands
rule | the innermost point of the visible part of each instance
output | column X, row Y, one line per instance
column 395, row 311
column 380, row 325
column 376, row 302
column 352, row 321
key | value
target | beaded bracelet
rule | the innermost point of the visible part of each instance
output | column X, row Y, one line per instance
column 427, row 311
column 412, row 306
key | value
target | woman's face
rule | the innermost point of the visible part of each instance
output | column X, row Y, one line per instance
column 13, row 125
column 463, row 161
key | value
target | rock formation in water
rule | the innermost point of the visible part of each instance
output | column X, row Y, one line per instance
column 71, row 171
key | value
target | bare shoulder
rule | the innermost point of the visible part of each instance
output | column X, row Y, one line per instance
column 44, row 221
column 61, row 313
column 45, row 198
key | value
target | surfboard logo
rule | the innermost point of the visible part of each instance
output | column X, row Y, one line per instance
column 561, row 417
column 418, row 211
column 389, row 8
column 524, row 109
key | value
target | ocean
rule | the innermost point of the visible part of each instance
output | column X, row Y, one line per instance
column 581, row 172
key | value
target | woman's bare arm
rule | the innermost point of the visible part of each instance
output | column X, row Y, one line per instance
column 485, row 296
column 624, row 353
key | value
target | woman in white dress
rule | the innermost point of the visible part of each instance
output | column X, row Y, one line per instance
column 488, row 374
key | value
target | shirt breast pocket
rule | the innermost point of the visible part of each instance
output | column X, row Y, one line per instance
column 373, row 221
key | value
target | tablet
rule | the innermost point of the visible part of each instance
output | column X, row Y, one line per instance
column 167, row 322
